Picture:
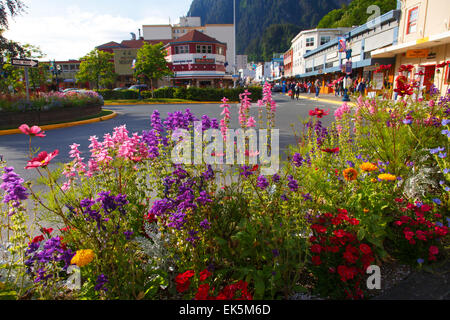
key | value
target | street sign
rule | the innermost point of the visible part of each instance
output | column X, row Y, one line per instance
column 348, row 67
column 25, row 63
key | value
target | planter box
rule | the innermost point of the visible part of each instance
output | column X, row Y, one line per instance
column 10, row 120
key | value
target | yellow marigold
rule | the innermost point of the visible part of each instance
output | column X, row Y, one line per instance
column 373, row 180
column 387, row 177
column 350, row 174
column 368, row 167
column 83, row 257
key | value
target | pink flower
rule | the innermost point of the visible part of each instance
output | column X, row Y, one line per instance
column 34, row 131
column 42, row 160
column 251, row 123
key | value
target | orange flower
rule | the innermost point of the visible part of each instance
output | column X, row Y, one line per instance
column 368, row 167
column 387, row 177
column 350, row 174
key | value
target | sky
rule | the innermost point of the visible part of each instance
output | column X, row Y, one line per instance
column 70, row 29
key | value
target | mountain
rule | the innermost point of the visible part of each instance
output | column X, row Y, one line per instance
column 261, row 22
column 355, row 13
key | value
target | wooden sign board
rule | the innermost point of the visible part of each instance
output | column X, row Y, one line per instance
column 419, row 53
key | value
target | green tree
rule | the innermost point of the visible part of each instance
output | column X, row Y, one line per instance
column 355, row 13
column 151, row 63
column 97, row 67
column 9, row 9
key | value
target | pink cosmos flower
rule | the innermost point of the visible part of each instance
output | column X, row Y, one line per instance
column 42, row 160
column 34, row 131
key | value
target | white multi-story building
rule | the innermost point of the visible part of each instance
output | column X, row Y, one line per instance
column 309, row 40
column 263, row 72
column 221, row 32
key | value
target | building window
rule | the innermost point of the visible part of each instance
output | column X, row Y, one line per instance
column 204, row 49
column 325, row 39
column 413, row 15
column 220, row 51
column 310, row 42
column 181, row 49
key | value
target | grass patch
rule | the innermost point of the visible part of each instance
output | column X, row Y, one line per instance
column 101, row 114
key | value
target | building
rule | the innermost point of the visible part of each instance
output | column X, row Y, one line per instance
column 423, row 41
column 288, row 63
column 222, row 32
column 197, row 59
column 329, row 63
column 124, row 54
column 263, row 72
column 277, row 66
column 309, row 40
column 241, row 61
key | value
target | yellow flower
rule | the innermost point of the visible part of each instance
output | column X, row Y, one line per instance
column 366, row 210
column 350, row 174
column 83, row 257
column 373, row 180
column 387, row 177
column 368, row 167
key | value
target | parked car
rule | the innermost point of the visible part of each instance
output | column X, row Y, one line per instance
column 121, row 88
column 277, row 88
column 138, row 86
column 70, row 89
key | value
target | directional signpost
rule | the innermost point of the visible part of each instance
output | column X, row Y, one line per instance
column 26, row 63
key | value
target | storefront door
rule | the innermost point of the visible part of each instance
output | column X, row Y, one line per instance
column 429, row 77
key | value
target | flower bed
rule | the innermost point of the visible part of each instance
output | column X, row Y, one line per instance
column 45, row 108
column 133, row 224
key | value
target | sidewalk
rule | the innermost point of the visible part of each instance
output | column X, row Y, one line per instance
column 328, row 98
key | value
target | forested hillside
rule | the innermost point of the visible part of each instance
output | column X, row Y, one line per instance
column 265, row 26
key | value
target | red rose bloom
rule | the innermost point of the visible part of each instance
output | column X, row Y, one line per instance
column 365, row 249
column 434, row 250
column 316, row 248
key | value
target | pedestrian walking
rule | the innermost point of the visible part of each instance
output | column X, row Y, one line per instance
column 317, row 86
column 362, row 87
column 309, row 85
column 297, row 91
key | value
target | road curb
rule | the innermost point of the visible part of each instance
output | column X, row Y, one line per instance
column 63, row 125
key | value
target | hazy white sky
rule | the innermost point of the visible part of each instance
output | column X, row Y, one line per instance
column 70, row 29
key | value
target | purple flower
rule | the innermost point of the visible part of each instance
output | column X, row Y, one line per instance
column 192, row 236
column 297, row 160
column 246, row 171
column 208, row 174
column 420, row 261
column 102, row 280
column 203, row 199
column 275, row 253
column 284, row 198
column 293, row 184
column 206, row 122
column 205, row 224
column 214, row 124
column 437, row 201
column 262, row 183
column 307, row 197
column 128, row 234
column 12, row 185
column 156, row 121
column 276, row 178
column 350, row 164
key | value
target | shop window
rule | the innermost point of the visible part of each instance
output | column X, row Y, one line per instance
column 413, row 15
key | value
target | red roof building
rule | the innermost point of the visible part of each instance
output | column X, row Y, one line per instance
column 197, row 59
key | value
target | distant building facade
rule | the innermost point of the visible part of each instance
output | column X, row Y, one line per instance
column 309, row 40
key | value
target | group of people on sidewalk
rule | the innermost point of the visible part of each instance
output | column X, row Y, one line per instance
column 295, row 88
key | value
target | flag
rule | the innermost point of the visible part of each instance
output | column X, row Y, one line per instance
column 133, row 64
column 342, row 46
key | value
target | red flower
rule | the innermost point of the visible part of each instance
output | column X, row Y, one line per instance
column 47, row 231
column 346, row 273
column 38, row 239
column 255, row 167
column 316, row 260
column 318, row 228
column 350, row 257
column 319, row 113
column 202, row 293
column 42, row 160
column 353, row 221
column 339, row 233
column 205, row 274
column 409, row 235
column 365, row 249
column 433, row 250
column 316, row 248
column 183, row 281
column 328, row 150
column 34, row 131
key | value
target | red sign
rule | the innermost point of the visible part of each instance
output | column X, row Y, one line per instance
column 205, row 61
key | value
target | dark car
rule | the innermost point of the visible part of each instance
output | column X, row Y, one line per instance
column 277, row 88
column 138, row 86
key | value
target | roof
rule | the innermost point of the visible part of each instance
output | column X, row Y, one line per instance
column 195, row 36
column 111, row 44
column 136, row 44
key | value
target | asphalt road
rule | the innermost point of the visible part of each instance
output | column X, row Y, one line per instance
column 14, row 148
